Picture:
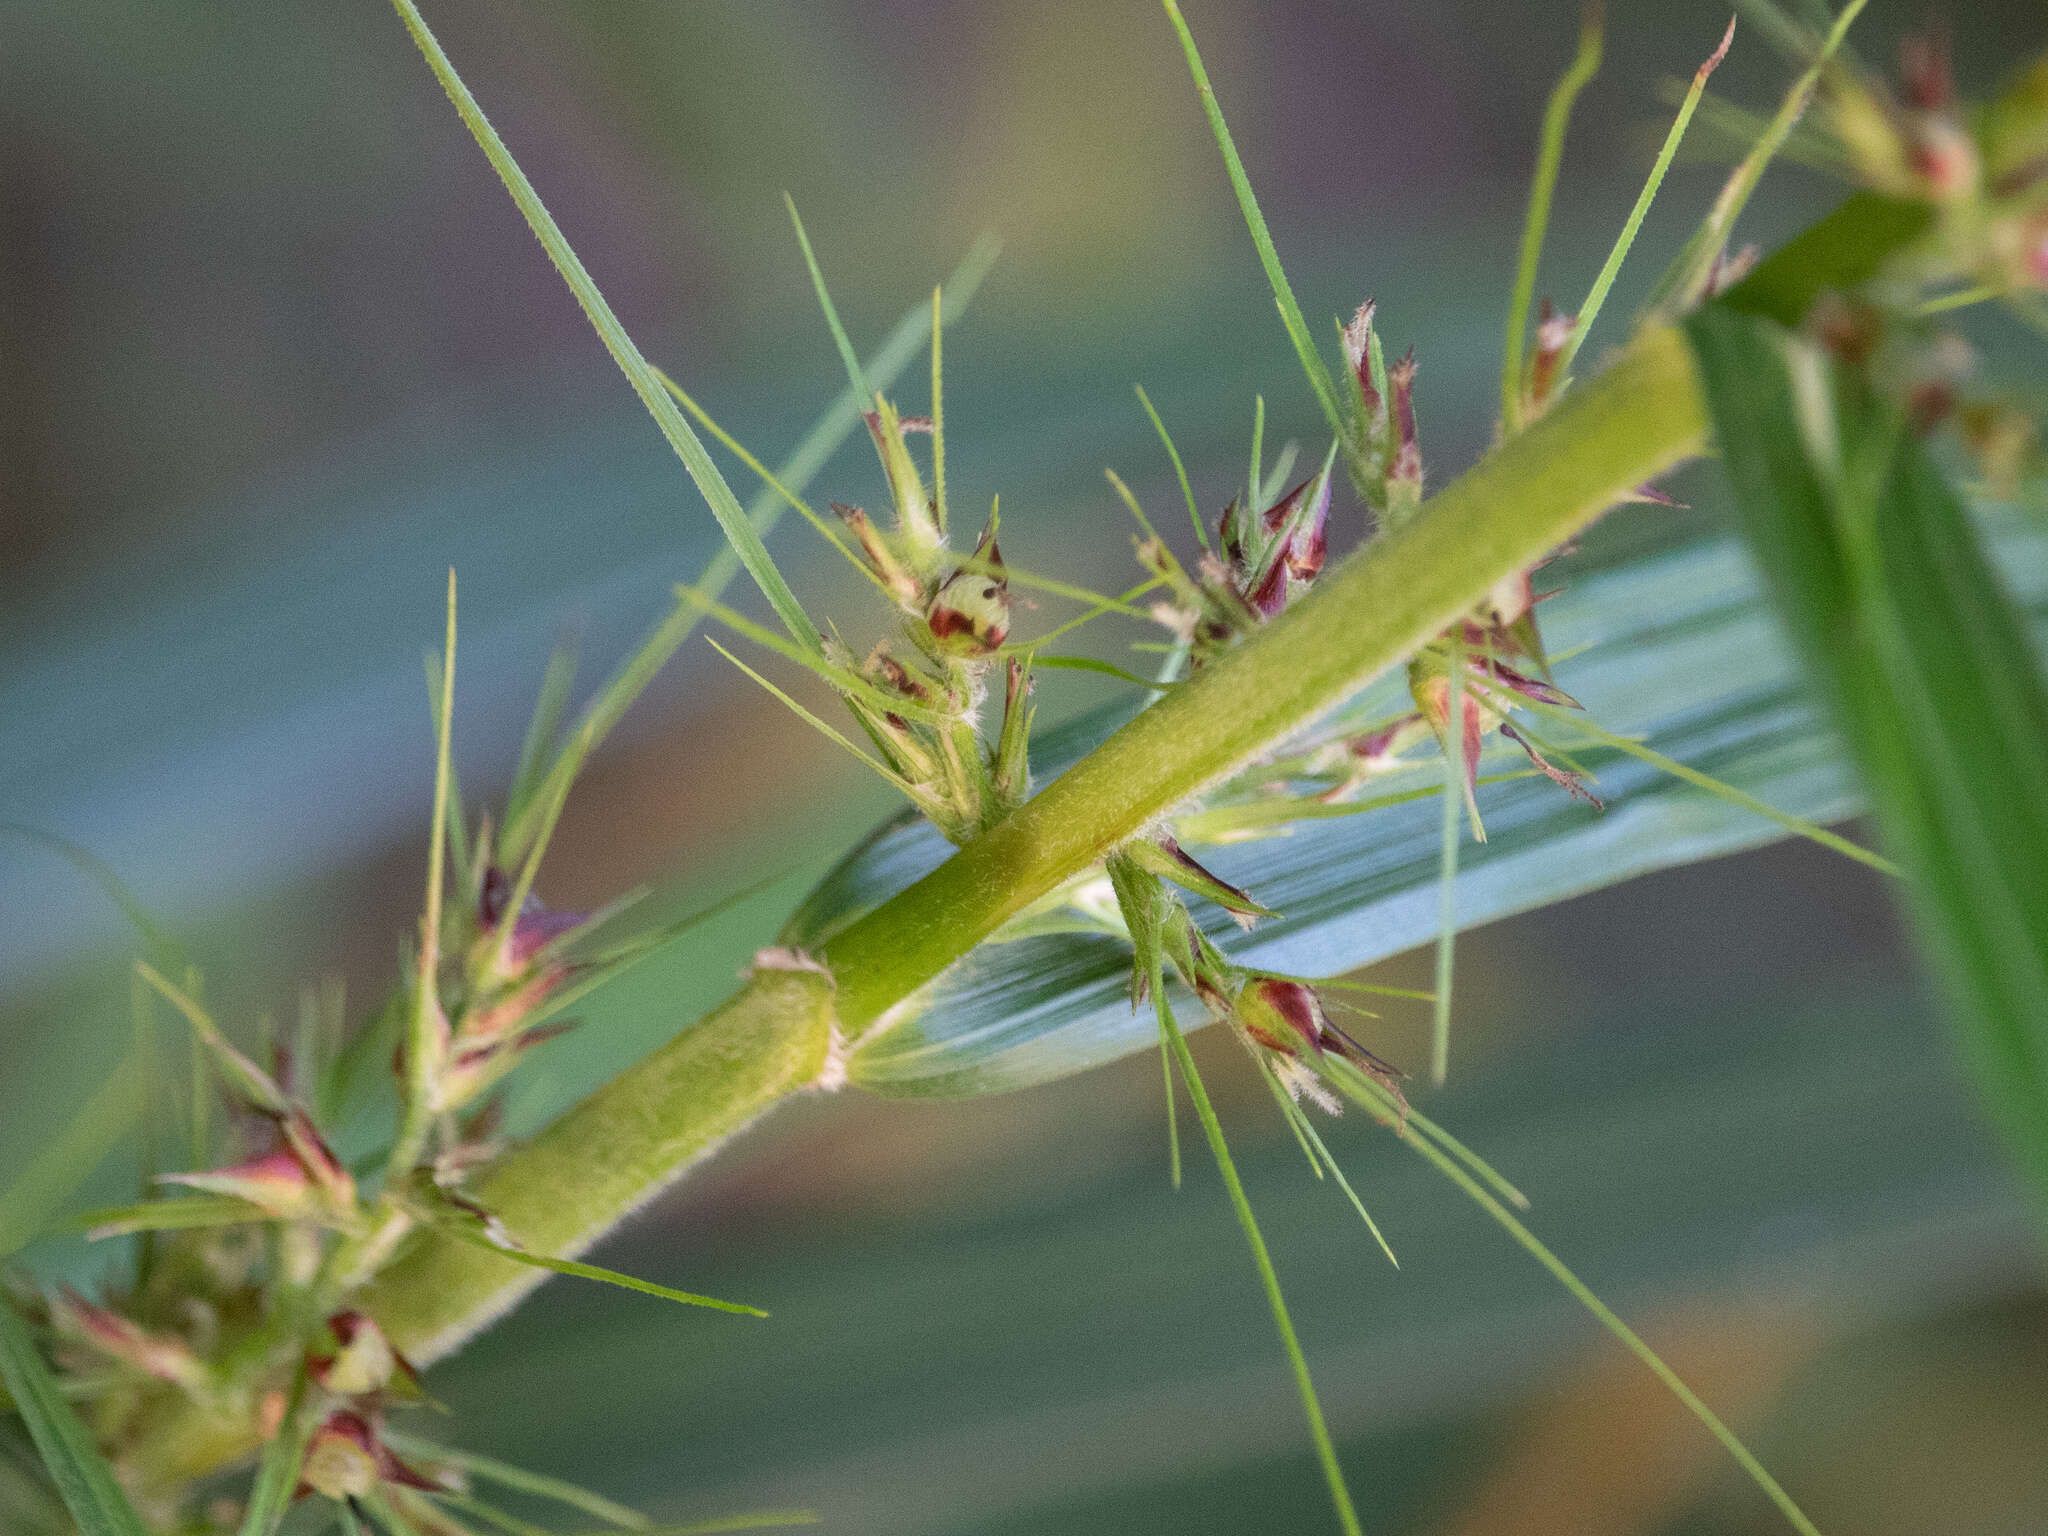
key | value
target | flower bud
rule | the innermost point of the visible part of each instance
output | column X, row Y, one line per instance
column 363, row 1361
column 1404, row 469
column 970, row 614
column 301, row 1180
column 345, row 1460
column 161, row 1355
column 900, row 582
column 1285, row 1017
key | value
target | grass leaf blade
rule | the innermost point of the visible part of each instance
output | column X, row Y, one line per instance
column 1930, row 674
column 753, row 554
column 83, row 1478
column 1312, row 363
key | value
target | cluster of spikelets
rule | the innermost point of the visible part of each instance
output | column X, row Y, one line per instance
column 240, row 1302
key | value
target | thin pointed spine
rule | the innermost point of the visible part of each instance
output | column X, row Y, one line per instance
column 1596, row 296
column 423, row 1039
column 1557, row 116
column 543, row 729
column 1684, row 281
column 1119, row 604
column 1447, row 877
column 1337, row 1173
column 1289, row 1110
column 1258, row 446
column 1706, row 781
column 1312, row 363
column 826, row 434
column 839, row 740
column 769, row 478
column 854, row 374
column 1611, row 1321
column 850, row 684
column 1172, row 1111
column 453, row 816
column 1179, row 469
column 520, row 1480
column 938, row 412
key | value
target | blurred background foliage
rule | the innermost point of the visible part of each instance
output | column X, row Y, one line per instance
column 275, row 351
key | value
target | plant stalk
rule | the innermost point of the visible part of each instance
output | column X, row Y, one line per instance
column 561, row 1191
column 1633, row 422
column 592, row 1167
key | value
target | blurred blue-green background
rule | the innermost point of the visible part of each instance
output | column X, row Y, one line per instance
column 276, row 351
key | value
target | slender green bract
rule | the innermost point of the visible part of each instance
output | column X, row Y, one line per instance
column 1446, row 1161
column 278, row 1474
column 83, row 1478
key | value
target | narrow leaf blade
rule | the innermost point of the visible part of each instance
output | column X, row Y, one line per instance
column 81, row 1473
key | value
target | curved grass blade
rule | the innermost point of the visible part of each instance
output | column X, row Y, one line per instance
column 83, row 1478
column 739, row 532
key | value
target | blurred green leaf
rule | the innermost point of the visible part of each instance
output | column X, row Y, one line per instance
column 80, row 1472
column 1930, row 674
column 71, row 1156
column 1840, row 252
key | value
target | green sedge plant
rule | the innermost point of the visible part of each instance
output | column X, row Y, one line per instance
column 280, row 1299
